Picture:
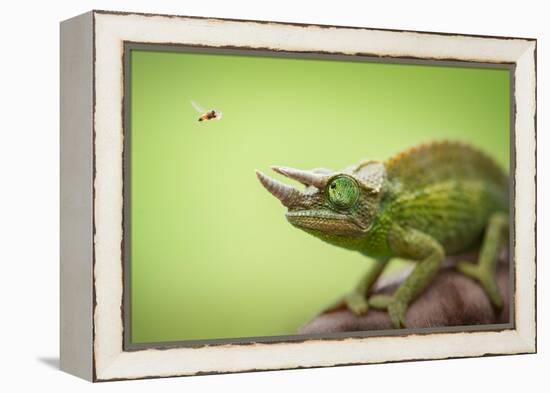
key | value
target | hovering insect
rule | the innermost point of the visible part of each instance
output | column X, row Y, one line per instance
column 212, row 114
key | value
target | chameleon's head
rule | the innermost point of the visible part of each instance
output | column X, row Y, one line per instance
column 334, row 205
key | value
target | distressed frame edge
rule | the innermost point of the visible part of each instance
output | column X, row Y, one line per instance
column 527, row 340
column 526, row 137
column 76, row 196
column 304, row 24
column 306, row 367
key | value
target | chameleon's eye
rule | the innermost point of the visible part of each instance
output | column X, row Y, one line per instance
column 343, row 191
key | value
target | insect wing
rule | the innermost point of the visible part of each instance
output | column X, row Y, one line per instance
column 197, row 107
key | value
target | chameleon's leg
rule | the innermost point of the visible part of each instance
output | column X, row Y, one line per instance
column 413, row 244
column 356, row 301
column 380, row 302
column 484, row 271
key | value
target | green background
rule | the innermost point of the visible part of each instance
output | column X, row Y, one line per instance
column 212, row 255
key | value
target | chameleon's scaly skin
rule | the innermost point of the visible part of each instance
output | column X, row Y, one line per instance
column 429, row 201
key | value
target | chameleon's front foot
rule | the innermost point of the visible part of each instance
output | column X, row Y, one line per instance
column 357, row 303
column 397, row 309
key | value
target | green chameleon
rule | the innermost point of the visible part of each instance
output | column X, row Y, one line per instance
column 433, row 200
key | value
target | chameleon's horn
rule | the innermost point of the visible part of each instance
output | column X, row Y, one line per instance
column 286, row 194
column 308, row 178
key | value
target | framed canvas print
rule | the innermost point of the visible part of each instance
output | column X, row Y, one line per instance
column 247, row 195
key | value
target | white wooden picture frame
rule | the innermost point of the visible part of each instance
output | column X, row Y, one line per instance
column 92, row 136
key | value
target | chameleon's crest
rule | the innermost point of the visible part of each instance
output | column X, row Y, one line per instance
column 371, row 174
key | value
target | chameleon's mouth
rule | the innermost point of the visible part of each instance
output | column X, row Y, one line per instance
column 325, row 222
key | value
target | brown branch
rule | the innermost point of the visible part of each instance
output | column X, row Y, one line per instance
column 451, row 300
